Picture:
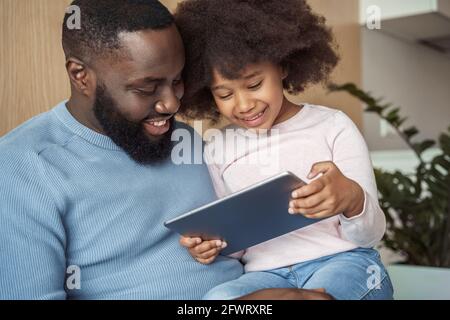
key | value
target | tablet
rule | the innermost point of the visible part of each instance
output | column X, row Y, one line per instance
column 246, row 218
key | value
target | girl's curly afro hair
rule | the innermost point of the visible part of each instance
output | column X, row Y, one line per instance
column 228, row 35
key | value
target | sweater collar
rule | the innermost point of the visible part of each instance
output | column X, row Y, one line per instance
column 81, row 130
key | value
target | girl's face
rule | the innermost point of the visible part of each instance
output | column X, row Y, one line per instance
column 255, row 100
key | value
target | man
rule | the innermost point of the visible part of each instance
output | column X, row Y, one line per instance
column 86, row 187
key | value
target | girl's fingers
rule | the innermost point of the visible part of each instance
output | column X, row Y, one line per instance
column 320, row 167
column 309, row 202
column 206, row 261
column 208, row 254
column 308, row 190
column 213, row 252
column 208, row 245
column 319, row 214
column 315, row 212
column 295, row 194
column 189, row 242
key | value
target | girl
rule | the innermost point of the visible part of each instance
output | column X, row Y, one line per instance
column 240, row 57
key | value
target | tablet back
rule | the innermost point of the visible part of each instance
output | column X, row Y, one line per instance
column 246, row 218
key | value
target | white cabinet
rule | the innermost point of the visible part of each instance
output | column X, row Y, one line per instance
column 398, row 8
column 419, row 20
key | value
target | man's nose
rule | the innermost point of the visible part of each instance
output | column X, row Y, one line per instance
column 169, row 104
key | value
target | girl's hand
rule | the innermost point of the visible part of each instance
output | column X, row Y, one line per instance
column 329, row 195
column 204, row 252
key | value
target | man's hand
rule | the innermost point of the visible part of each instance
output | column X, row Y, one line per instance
column 204, row 252
column 331, row 194
column 288, row 294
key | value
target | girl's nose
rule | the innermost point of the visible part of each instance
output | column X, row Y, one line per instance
column 244, row 105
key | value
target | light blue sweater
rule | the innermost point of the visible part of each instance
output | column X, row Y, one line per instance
column 70, row 200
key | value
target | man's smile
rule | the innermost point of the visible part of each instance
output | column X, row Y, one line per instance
column 157, row 127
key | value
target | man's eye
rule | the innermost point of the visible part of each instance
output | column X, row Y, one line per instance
column 177, row 81
column 145, row 92
column 255, row 86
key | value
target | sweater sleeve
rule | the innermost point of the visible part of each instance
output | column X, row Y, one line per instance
column 32, row 236
column 351, row 156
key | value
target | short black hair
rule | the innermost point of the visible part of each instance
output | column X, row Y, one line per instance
column 103, row 20
column 228, row 35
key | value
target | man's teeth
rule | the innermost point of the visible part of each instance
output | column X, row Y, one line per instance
column 159, row 123
column 255, row 117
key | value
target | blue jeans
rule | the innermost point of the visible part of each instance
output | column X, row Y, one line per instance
column 357, row 274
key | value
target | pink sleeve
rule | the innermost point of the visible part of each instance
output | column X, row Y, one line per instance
column 214, row 172
column 351, row 156
column 238, row 255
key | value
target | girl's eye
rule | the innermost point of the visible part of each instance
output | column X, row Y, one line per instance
column 255, row 86
column 224, row 97
column 177, row 82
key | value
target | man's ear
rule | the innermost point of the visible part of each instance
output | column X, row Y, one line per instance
column 80, row 76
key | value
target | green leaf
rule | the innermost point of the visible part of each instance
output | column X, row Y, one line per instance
column 393, row 112
column 442, row 161
column 410, row 132
column 438, row 190
column 375, row 109
column 444, row 141
column 401, row 121
column 416, row 205
column 355, row 91
column 423, row 146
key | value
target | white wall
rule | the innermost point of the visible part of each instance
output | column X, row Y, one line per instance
column 410, row 75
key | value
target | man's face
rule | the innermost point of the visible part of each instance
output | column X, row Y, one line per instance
column 139, row 93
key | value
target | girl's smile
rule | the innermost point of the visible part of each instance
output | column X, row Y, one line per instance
column 255, row 120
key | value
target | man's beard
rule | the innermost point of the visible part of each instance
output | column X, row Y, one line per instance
column 130, row 136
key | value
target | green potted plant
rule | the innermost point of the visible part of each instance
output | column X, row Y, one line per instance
column 417, row 207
